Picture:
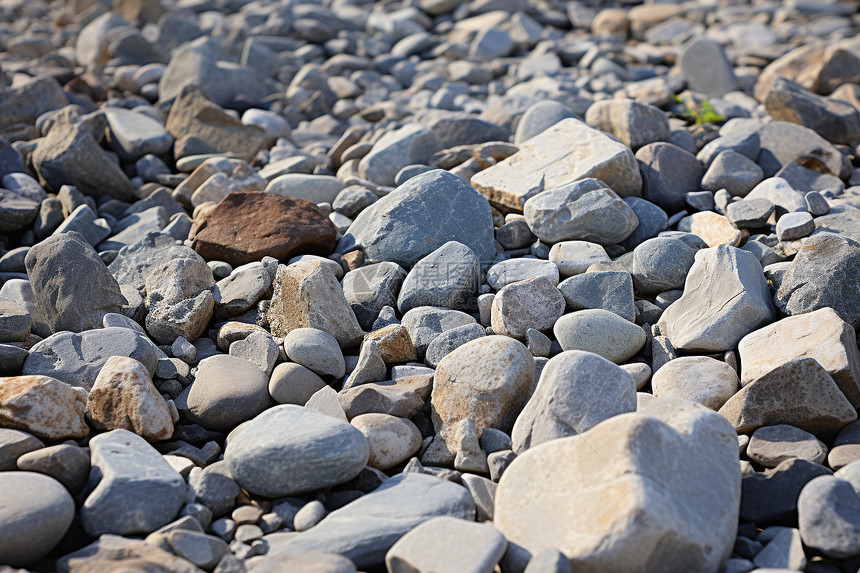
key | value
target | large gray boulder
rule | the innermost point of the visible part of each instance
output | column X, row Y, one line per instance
column 365, row 529
column 71, row 285
column 419, row 217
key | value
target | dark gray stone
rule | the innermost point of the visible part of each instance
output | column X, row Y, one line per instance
column 828, row 511
column 668, row 174
column 734, row 172
column 770, row 497
column 539, row 117
column 450, row 340
column 370, row 288
column 425, row 323
column 707, row 69
column 661, row 264
column 835, row 120
column 447, row 277
column 652, row 220
column 750, row 213
column 609, row 290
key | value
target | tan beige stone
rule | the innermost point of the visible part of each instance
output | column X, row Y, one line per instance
column 307, row 294
column 487, row 380
column 43, row 406
column 639, row 492
column 713, row 229
column 820, row 334
column 230, row 332
column 799, row 393
column 392, row 440
column 124, row 397
column 394, row 343
column 818, row 66
column 566, row 152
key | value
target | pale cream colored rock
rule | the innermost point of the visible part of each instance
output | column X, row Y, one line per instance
column 394, row 343
column 488, row 380
column 43, row 406
column 392, row 440
column 307, row 294
column 820, row 334
column 799, row 393
column 230, row 332
column 712, row 228
column 370, row 368
column 124, row 397
column 701, row 379
column 639, row 492
column 568, row 151
column 325, row 401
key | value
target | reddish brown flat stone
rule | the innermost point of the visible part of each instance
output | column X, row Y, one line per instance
column 245, row 227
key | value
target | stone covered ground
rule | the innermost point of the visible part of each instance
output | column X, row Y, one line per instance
column 423, row 285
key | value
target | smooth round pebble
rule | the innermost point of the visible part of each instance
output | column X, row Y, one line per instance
column 392, row 440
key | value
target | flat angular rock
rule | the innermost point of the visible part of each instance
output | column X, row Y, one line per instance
column 131, row 474
column 632, row 123
column 725, row 298
column 486, row 380
column 793, row 226
column 402, row 398
column 835, row 120
column 35, row 514
column 365, row 529
column 712, row 228
column 114, row 551
column 447, row 277
column 123, row 396
column 245, row 227
column 750, row 213
column 24, row 103
column 577, row 390
column 601, row 332
column 241, row 291
column 17, row 212
column 290, row 450
column 699, row 379
column 447, row 545
column 533, row 303
column 69, row 155
column 820, row 334
column 420, row 216
column 607, row 290
column 825, row 273
column 707, row 69
column 586, row 210
column 568, row 151
column 370, row 288
column 77, row 359
column 799, row 393
column 307, row 295
column 43, row 406
column 629, row 459
column 166, row 322
column 134, row 135
column 512, row 271
column 425, row 323
column 227, row 391
column 193, row 114
column 71, row 285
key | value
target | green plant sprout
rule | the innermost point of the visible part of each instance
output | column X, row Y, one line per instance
column 702, row 113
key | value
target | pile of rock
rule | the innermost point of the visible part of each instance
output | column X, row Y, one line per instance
column 429, row 286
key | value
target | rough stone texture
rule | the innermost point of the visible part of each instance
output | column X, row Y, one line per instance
column 246, row 227
column 825, row 273
column 447, row 545
column 77, row 359
column 290, row 450
column 713, row 229
column 307, row 295
column 187, row 318
column 783, row 143
column 608, row 290
column 533, row 303
column 585, row 210
column 402, row 398
column 568, row 151
column 511, row 271
column 601, row 332
column 661, row 518
column 835, row 120
column 725, row 298
column 425, row 323
column 487, row 380
column 129, row 474
column 420, row 216
column 632, row 123
column 699, row 379
column 391, row 440
column 227, row 391
column 71, row 285
column 35, row 513
column 43, row 406
column 798, row 393
column 365, row 529
column 447, row 277
column 668, row 173
column 70, row 156
column 370, row 288
column 394, row 343
column 112, row 552
column 820, row 334
column 576, row 391
column 123, row 396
